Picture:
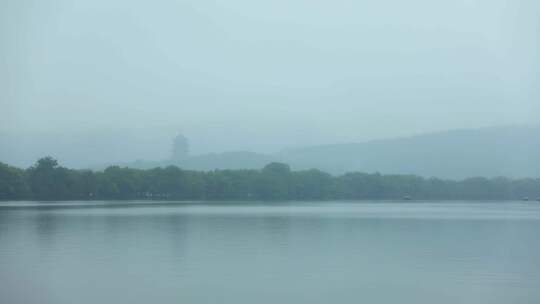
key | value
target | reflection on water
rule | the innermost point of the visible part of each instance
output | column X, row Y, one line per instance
column 340, row 252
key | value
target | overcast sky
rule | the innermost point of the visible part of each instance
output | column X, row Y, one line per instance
column 105, row 80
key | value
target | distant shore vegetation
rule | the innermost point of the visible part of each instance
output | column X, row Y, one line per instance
column 47, row 180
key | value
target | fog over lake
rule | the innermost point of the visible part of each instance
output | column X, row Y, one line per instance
column 272, row 151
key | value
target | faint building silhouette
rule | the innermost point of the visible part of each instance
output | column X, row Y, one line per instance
column 180, row 148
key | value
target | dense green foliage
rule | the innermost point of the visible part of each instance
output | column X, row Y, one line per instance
column 46, row 180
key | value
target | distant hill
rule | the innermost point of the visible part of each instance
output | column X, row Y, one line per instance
column 205, row 162
column 227, row 160
column 490, row 152
column 496, row 151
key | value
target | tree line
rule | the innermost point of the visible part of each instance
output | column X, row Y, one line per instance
column 47, row 180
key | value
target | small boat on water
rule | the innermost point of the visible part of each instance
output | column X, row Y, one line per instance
column 526, row 198
column 406, row 198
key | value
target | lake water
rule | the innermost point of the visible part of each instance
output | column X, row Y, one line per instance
column 296, row 252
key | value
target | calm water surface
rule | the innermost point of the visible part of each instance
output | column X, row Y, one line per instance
column 298, row 252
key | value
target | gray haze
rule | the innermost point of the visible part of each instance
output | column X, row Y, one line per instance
column 510, row 151
column 105, row 81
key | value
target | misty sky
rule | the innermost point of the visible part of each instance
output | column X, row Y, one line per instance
column 104, row 80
